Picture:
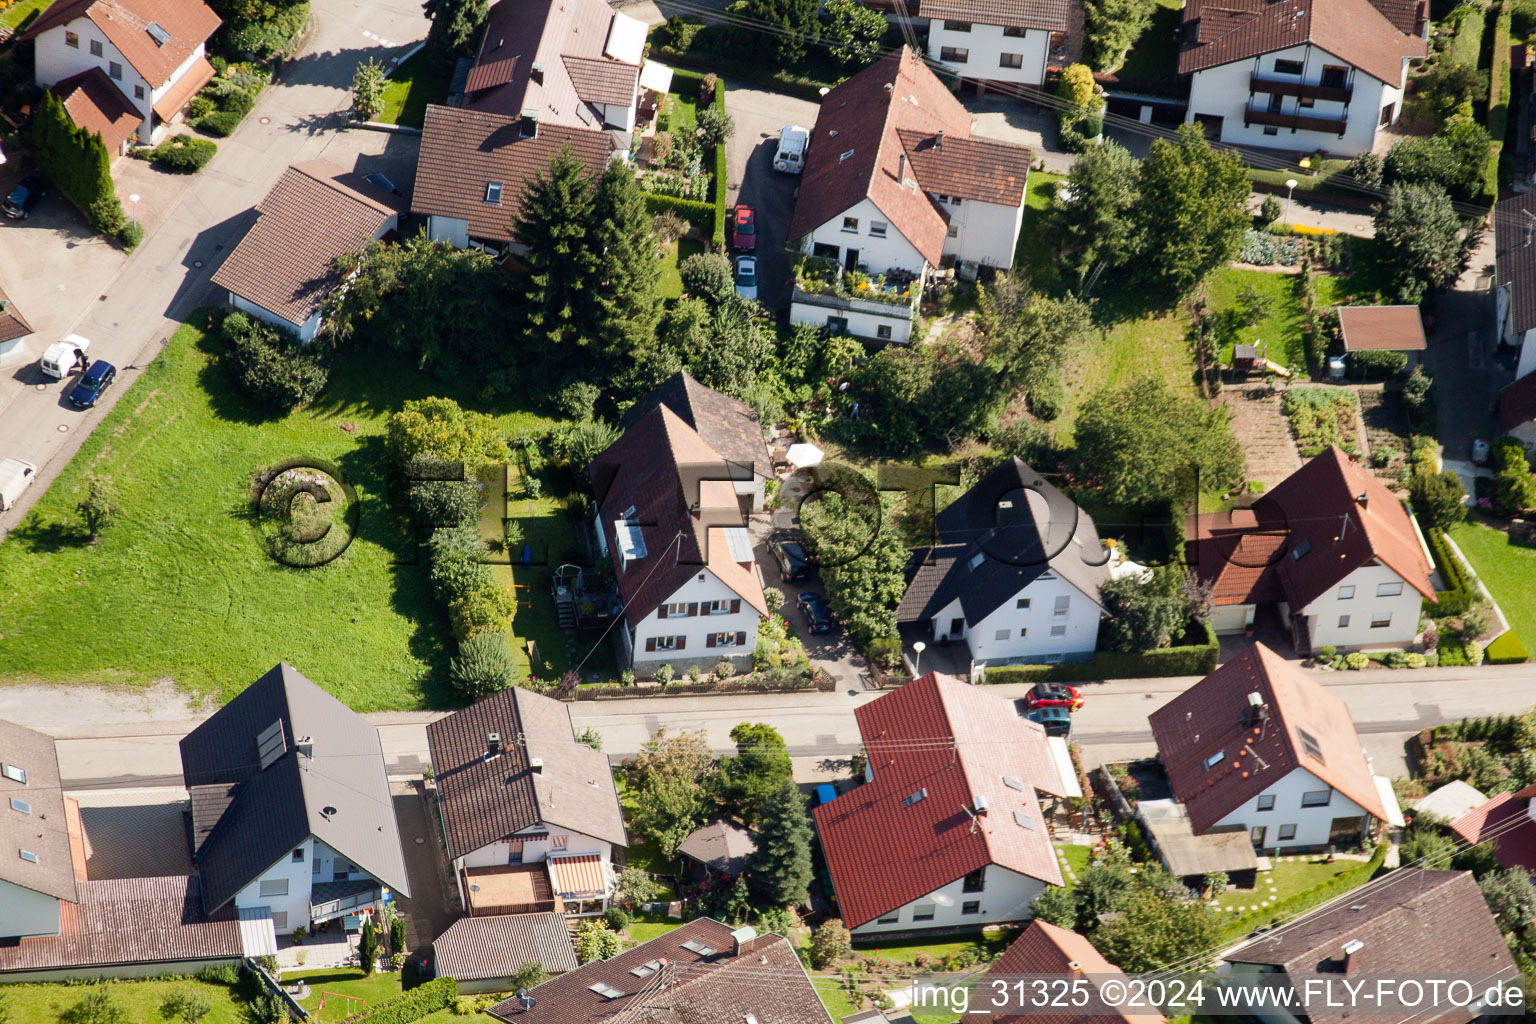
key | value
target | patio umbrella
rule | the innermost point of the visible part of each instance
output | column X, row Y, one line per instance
column 804, row 456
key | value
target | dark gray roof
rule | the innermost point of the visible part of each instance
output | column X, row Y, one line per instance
column 45, row 830
column 495, row 947
column 483, row 800
column 721, row 845
column 340, row 794
column 999, row 537
column 1514, row 236
column 730, row 427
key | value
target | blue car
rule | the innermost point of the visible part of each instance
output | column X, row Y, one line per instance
column 818, row 614
column 1056, row 721
column 96, row 379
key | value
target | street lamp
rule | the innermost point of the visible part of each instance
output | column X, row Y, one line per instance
column 919, row 647
column 134, row 199
column 1290, row 186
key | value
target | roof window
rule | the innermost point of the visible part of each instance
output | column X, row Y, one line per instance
column 28, row 856
column 1310, row 747
column 978, row 558
column 1215, row 759
column 493, row 193
column 21, row 805
column 647, row 969
column 845, row 156
column 157, row 33
column 1300, row 550
column 1023, row 820
column 15, row 773
column 1013, row 783
column 915, row 798
column 605, row 990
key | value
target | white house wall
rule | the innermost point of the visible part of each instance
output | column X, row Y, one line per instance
column 176, row 76
column 1323, row 614
column 877, row 253
column 299, row 875
column 1036, row 644
column 987, row 233
column 495, row 854
column 1007, row 896
column 858, row 322
column 704, row 586
column 1313, row 824
column 1224, row 92
column 986, row 45
column 453, row 230
column 305, row 331
column 25, row 911
column 57, row 61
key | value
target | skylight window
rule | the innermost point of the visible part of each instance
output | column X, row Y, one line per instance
column 845, row 156
column 645, row 970
column 1013, row 783
column 605, row 990
column 493, row 193
column 978, row 558
column 915, row 798
column 15, row 773
column 1215, row 759
column 1310, row 747
column 707, row 951
column 693, row 945
column 1023, row 820
column 21, row 805
column 28, row 856
column 1301, row 549
column 158, row 34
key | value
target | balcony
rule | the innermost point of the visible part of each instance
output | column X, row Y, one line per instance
column 1287, row 87
column 330, row 900
column 824, row 282
column 1300, row 122
column 513, row 889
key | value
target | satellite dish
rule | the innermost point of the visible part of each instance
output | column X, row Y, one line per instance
column 528, row 1002
column 522, row 993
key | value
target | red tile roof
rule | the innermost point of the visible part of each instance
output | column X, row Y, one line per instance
column 464, row 150
column 856, row 152
column 126, row 23
column 1049, row 15
column 180, row 94
column 1517, row 402
column 1219, row 32
column 1389, row 328
column 315, row 213
column 1505, row 822
column 979, row 169
column 1213, row 717
column 1046, row 949
column 474, row 948
column 1333, row 533
column 603, row 79
column 956, row 742
column 12, row 324
column 97, row 105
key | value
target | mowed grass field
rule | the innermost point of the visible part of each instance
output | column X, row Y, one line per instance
column 139, row 1000
column 183, row 588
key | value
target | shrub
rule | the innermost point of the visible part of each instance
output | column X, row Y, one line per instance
column 438, row 994
column 131, row 234
column 271, row 364
column 481, row 609
column 1474, row 652
column 707, row 275
column 715, row 126
column 444, row 503
column 219, row 974
column 397, row 934
column 184, row 154
column 618, row 918
column 1356, row 661
column 1413, row 659
column 594, row 941
column 1269, row 210
column 484, row 665
column 269, row 38
column 1048, row 397
column 830, row 942
column 1368, row 169
column 1506, row 649
column 707, row 88
column 1326, row 652
column 1437, row 498
column 220, row 122
column 1377, row 364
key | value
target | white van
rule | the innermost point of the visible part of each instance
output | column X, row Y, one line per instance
column 791, row 155
column 15, row 477
column 59, row 360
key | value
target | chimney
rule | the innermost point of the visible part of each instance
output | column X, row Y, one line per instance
column 901, row 170
column 1075, row 968
column 492, row 745
column 742, row 939
column 305, row 745
column 979, row 803
column 938, row 140
column 1363, row 499
column 528, row 127
column 536, row 765
column 536, row 72
column 1351, row 964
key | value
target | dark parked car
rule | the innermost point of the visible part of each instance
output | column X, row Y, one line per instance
column 1053, row 695
column 1057, row 721
column 744, row 229
column 818, row 614
column 96, row 379
column 24, row 197
column 794, row 563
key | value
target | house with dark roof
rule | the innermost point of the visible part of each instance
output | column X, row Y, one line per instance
column 1015, row 575
column 530, row 816
column 948, row 830
column 1508, row 823
column 998, row 42
column 701, row 973
column 669, row 518
column 1044, row 950
column 43, row 858
column 14, row 330
column 1417, row 924
column 1383, row 329
column 894, row 186
column 728, row 425
column 124, row 68
column 1304, row 75
column 1517, row 410
column 1514, row 270
column 292, row 815
column 286, row 263
column 720, row 849
column 1258, row 747
column 483, row 953
column 1329, row 555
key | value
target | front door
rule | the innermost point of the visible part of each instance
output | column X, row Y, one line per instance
column 956, row 627
column 1344, row 831
column 1257, row 835
column 851, row 259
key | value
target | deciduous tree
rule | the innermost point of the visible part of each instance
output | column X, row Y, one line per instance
column 1145, row 613
column 99, row 506
column 1193, row 209
column 795, row 26
column 854, row 33
column 1421, row 234
column 455, row 24
column 1437, row 499
column 368, row 90
column 760, row 766
column 1092, row 215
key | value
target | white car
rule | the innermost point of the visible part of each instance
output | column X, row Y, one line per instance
column 790, row 156
column 746, row 277
column 61, row 356
column 15, row 477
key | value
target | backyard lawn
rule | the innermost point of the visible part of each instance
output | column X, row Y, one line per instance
column 1155, row 55
column 671, row 286
column 1078, row 857
column 646, row 927
column 1507, row 570
column 336, row 986
column 904, row 951
column 1279, row 329
column 1033, row 252
column 1288, row 878
column 182, row 588
column 407, row 92
column 139, row 1000
column 18, row 12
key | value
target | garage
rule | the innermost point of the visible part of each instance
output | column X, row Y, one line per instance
column 1232, row 618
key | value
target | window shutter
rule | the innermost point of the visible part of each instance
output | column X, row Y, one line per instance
column 735, row 605
column 709, row 641
column 661, row 612
column 682, row 642
column 650, row 643
column 741, row 638
column 693, row 608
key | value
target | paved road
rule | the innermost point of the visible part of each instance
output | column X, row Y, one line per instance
column 132, row 316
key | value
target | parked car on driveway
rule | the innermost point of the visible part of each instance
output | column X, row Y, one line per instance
column 790, row 554
column 25, row 197
column 746, row 277
column 790, row 156
column 15, row 477
column 744, row 229
column 61, row 358
column 1053, row 695
column 92, row 384
column 818, row 614
column 1056, row 721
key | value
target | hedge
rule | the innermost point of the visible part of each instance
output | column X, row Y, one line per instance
column 1190, row 660
column 720, row 177
column 1499, row 90
column 1460, row 594
column 700, row 215
column 77, row 162
column 1306, row 900
column 1506, row 649
column 417, row 1003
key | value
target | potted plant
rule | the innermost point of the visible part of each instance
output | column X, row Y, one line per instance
column 298, row 935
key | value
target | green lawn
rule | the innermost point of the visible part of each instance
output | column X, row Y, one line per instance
column 182, row 589
column 1077, row 856
column 906, row 950
column 18, row 12
column 682, row 108
column 374, row 988
column 834, row 997
column 1467, row 43
column 1280, row 329
column 407, row 92
column 1289, row 877
column 674, row 254
column 1507, row 570
column 1034, row 252
column 646, row 927
column 1156, row 54
column 139, row 1000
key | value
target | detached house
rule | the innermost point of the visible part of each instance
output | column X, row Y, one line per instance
column 997, row 42
column 14, row 330
column 124, row 68
column 947, row 832
column 530, row 816
column 1508, row 823
column 1330, row 554
column 43, row 859
column 894, row 186
column 1303, row 75
column 1258, row 746
column 1514, row 235
column 1044, row 950
column 1015, row 575
column 291, row 811
column 669, row 517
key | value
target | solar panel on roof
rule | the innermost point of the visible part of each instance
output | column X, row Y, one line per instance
column 1023, row 820
column 270, row 743
column 158, row 34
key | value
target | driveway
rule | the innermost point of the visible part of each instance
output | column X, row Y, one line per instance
column 427, row 913
column 759, row 114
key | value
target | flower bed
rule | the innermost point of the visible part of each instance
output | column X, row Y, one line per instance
column 1263, row 249
column 692, row 186
column 1321, row 417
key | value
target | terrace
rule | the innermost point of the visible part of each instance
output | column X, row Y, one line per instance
column 825, row 282
column 511, row 889
column 585, row 598
column 1288, row 87
column 1299, row 122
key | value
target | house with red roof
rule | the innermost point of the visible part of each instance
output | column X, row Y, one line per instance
column 124, row 67
column 1508, row 822
column 1330, row 554
column 1043, row 950
column 1302, row 75
column 894, row 186
column 1000, row 43
column 948, row 830
column 1258, row 746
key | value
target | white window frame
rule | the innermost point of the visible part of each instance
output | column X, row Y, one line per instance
column 1347, row 592
column 955, row 54
column 924, row 911
column 1378, row 621
column 559, row 842
column 1010, row 60
column 877, row 228
column 1266, row 802
column 1308, row 798
column 1063, row 605
column 1390, row 589
column 1000, row 635
column 883, row 332
column 270, row 887
column 1022, row 604
column 493, row 192
column 726, row 639
column 851, row 225
column 114, row 71
column 14, row 772
column 1280, row 835
column 1343, row 621
column 894, row 917
column 72, row 39
column 717, row 607
column 1215, row 759
column 96, row 48
column 956, row 26
column 280, row 919
column 1023, row 632
column 1058, row 632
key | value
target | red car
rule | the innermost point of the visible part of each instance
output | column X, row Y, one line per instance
column 1053, row 695
column 744, row 229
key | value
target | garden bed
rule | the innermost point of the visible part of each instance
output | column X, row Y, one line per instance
column 1322, row 416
